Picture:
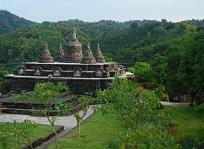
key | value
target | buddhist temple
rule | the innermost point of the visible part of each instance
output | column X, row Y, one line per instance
column 82, row 73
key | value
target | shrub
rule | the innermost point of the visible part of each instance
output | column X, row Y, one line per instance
column 189, row 142
column 200, row 108
column 139, row 112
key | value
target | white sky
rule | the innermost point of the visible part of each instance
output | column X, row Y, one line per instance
column 94, row 10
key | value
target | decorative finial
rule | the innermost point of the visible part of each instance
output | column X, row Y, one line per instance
column 99, row 47
column 46, row 45
column 60, row 46
column 89, row 47
column 74, row 34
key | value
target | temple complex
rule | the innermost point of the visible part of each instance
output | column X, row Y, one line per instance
column 80, row 70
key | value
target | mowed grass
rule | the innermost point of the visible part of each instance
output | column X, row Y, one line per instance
column 36, row 132
column 97, row 132
column 186, row 121
column 101, row 132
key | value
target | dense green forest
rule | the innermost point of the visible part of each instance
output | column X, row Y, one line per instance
column 173, row 51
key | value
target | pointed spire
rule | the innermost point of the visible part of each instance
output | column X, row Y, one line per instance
column 46, row 56
column 88, row 46
column 61, row 51
column 46, row 45
column 99, row 55
column 99, row 47
column 60, row 46
column 74, row 37
column 88, row 56
column 60, row 54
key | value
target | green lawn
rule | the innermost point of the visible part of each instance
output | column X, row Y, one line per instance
column 98, row 132
column 187, row 122
column 37, row 131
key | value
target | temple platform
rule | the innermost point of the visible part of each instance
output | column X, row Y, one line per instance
column 81, row 78
column 11, row 105
column 77, row 85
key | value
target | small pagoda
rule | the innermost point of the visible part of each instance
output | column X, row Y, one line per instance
column 60, row 55
column 88, row 57
column 46, row 56
column 73, row 52
column 99, row 56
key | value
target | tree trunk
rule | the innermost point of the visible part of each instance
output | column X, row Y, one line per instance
column 56, row 146
column 31, row 145
column 78, row 128
column 192, row 99
column 53, row 129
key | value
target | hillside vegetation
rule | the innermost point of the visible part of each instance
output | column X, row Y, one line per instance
column 9, row 22
column 174, row 51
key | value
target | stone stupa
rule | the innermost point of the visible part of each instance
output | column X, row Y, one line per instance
column 88, row 56
column 46, row 56
column 60, row 54
column 99, row 56
column 73, row 50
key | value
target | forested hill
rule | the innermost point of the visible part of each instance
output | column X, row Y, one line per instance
column 125, row 42
column 27, row 43
column 172, row 52
column 9, row 22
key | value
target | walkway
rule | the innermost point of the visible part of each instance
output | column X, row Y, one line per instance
column 68, row 122
column 165, row 103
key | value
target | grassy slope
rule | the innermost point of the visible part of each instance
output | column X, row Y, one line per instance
column 97, row 132
column 38, row 131
column 187, row 122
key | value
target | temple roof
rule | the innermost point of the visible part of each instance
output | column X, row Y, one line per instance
column 46, row 56
column 60, row 54
column 88, row 56
column 99, row 56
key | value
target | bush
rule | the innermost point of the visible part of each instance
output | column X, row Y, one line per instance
column 148, row 136
column 189, row 142
column 2, row 74
column 200, row 108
